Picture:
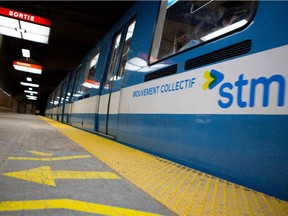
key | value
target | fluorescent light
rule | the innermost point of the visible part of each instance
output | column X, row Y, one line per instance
column 34, row 28
column 35, row 32
column 26, row 53
column 31, row 97
column 29, row 79
column 9, row 22
column 29, row 84
column 35, row 38
column 31, row 92
column 8, row 26
column 224, row 30
column 30, row 89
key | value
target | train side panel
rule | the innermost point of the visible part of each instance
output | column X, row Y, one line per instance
column 235, row 130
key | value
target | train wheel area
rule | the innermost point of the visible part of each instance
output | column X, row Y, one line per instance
column 53, row 169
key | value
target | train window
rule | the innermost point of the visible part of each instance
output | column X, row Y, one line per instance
column 126, row 49
column 77, row 93
column 185, row 24
column 57, row 96
column 52, row 99
column 88, row 81
column 121, row 47
column 50, row 102
column 64, row 92
column 115, row 53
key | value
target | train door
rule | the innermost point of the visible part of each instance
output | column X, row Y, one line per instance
column 110, row 95
column 73, row 93
column 54, row 105
column 66, row 97
column 60, row 104
column 63, row 100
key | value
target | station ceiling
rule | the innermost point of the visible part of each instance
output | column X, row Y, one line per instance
column 76, row 27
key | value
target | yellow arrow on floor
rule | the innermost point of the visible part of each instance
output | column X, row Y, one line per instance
column 44, row 175
column 41, row 153
column 69, row 204
column 50, row 158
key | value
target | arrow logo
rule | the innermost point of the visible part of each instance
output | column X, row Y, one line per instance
column 44, row 175
column 213, row 78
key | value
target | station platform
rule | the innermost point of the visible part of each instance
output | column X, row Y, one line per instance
column 50, row 168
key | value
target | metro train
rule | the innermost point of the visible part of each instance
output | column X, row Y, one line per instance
column 201, row 83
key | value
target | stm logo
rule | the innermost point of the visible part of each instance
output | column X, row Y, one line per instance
column 233, row 92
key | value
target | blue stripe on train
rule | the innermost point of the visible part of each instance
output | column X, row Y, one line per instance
column 85, row 121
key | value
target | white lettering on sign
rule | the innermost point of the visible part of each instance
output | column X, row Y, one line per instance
column 21, row 15
column 25, row 16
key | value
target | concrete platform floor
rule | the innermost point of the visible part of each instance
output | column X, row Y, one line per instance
column 42, row 172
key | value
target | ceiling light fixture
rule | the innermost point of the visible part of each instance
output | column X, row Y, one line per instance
column 31, row 97
column 27, row 67
column 31, row 92
column 29, row 84
column 26, row 53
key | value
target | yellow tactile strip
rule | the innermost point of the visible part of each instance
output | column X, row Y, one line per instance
column 183, row 190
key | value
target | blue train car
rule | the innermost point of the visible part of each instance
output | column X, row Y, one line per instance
column 202, row 83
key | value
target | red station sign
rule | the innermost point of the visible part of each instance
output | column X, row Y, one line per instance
column 24, row 16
